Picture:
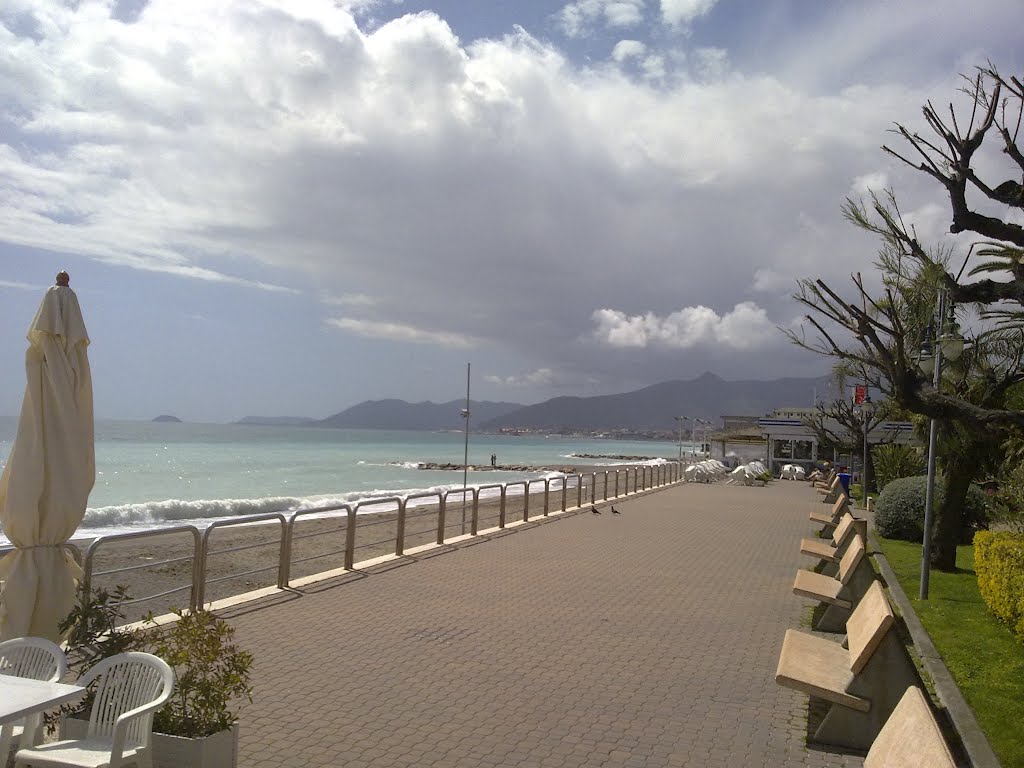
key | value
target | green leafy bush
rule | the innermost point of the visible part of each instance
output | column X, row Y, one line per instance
column 999, row 563
column 211, row 672
column 1007, row 506
column 91, row 634
column 893, row 461
column 899, row 509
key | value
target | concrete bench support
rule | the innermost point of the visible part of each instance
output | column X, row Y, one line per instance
column 910, row 737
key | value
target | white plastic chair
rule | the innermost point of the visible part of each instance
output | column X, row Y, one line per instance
column 132, row 687
column 35, row 658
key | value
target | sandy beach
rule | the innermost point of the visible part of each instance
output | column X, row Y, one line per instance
column 157, row 570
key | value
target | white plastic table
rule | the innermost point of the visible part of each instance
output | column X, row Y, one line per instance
column 20, row 696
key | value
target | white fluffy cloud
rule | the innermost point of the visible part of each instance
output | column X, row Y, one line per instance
column 628, row 49
column 744, row 327
column 489, row 192
column 578, row 18
column 401, row 333
column 676, row 12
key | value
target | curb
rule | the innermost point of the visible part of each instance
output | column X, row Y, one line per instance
column 979, row 751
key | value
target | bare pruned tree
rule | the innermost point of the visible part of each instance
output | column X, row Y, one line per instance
column 881, row 336
column 845, row 426
column 887, row 331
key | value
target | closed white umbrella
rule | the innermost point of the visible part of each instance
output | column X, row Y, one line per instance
column 50, row 471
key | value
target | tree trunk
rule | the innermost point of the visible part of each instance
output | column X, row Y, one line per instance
column 960, row 470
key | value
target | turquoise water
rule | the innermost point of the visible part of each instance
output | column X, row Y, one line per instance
column 151, row 474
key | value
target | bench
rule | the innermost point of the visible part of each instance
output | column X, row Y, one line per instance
column 821, row 480
column 827, row 486
column 862, row 683
column 910, row 737
column 829, row 553
column 841, row 592
column 831, row 519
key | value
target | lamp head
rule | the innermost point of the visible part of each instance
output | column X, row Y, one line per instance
column 951, row 340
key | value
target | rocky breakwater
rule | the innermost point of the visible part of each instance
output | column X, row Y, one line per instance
column 615, row 457
column 567, row 469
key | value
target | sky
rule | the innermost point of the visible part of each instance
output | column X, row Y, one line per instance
column 287, row 207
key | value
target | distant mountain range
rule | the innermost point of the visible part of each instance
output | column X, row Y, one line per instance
column 707, row 397
column 398, row 414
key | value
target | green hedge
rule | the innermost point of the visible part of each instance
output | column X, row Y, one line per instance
column 899, row 509
column 999, row 563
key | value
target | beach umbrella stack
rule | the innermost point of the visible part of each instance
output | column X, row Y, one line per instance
column 50, row 471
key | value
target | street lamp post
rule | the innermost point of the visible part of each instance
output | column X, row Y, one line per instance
column 704, row 437
column 679, row 421
column 465, row 454
column 949, row 344
column 866, row 412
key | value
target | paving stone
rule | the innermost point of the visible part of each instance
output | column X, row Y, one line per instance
column 647, row 639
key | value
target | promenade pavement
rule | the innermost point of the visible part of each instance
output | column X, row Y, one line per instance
column 644, row 639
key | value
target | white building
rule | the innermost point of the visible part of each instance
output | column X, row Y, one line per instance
column 790, row 441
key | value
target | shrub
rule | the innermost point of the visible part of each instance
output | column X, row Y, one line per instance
column 899, row 510
column 211, row 671
column 999, row 563
column 893, row 461
column 1008, row 500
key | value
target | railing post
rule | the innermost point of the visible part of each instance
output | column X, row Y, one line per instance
column 476, row 506
column 442, row 512
column 350, row 537
column 284, row 563
column 526, row 501
column 400, row 532
column 579, row 491
column 203, row 546
column 547, row 490
column 564, row 489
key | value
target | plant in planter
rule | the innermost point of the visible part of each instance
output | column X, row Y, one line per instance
column 210, row 670
column 199, row 724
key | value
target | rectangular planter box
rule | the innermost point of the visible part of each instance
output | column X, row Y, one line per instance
column 217, row 751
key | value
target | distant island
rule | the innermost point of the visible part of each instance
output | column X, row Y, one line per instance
column 165, row 417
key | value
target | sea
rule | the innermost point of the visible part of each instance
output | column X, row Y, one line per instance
column 156, row 474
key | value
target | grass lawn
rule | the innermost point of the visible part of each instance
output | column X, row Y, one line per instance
column 984, row 657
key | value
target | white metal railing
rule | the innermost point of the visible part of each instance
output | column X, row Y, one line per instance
column 587, row 489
